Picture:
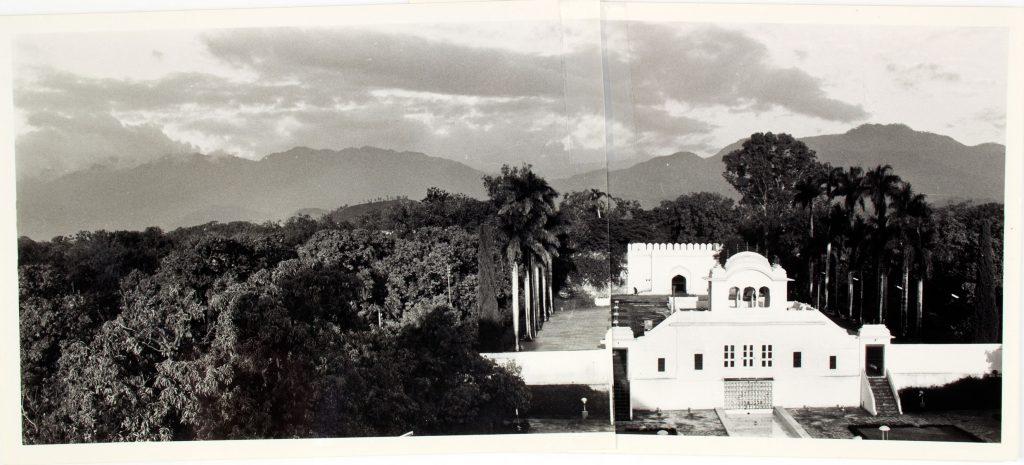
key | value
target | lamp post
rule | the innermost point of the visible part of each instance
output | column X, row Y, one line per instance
column 584, row 413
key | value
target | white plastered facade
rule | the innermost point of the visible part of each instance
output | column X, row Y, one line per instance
column 797, row 352
column 651, row 267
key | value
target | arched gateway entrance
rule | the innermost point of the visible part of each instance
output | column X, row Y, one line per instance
column 678, row 286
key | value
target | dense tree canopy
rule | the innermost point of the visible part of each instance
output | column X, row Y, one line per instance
column 300, row 329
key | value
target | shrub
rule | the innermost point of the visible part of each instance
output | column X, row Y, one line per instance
column 964, row 393
column 563, row 401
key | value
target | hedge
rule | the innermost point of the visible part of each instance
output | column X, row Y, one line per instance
column 964, row 393
column 563, row 401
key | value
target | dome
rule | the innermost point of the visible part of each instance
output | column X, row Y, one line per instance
column 748, row 260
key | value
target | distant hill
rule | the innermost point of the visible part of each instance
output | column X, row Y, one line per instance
column 315, row 213
column 351, row 213
column 936, row 165
column 933, row 164
column 657, row 179
column 184, row 191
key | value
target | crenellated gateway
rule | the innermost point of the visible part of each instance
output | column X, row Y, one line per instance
column 732, row 339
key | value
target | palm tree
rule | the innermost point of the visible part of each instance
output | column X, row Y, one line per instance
column 912, row 225
column 857, row 248
column 833, row 187
column 598, row 198
column 879, row 186
column 849, row 186
column 525, row 206
column 807, row 192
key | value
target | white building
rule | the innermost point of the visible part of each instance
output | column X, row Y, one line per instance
column 670, row 269
column 755, row 349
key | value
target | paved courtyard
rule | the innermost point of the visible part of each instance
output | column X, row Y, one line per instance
column 572, row 329
column 833, row 423
column 556, row 425
column 685, row 422
column 830, row 423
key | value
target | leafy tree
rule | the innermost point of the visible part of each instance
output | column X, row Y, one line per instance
column 703, row 217
column 987, row 315
column 487, row 267
column 767, row 168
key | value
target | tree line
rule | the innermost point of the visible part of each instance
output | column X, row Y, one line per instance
column 307, row 328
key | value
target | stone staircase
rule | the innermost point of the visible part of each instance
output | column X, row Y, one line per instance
column 885, row 403
column 620, row 394
column 633, row 310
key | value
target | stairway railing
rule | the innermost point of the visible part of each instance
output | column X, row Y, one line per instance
column 895, row 392
column 867, row 395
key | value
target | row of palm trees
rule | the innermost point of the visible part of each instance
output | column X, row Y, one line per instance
column 527, row 219
column 873, row 221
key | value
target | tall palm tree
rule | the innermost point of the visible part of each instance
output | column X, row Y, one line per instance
column 525, row 206
column 850, row 186
column 880, row 184
column 808, row 190
column 832, row 188
column 912, row 225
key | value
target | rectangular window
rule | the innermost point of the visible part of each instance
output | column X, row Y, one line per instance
column 748, row 355
column 729, row 359
column 831, row 362
column 698, row 361
column 797, row 359
column 766, row 355
column 661, row 364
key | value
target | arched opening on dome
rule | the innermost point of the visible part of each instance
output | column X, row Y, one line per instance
column 749, row 297
column 734, row 297
column 764, row 297
column 678, row 286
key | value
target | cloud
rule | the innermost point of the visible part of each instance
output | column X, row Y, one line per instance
column 994, row 116
column 710, row 66
column 911, row 77
column 327, row 89
column 388, row 61
column 61, row 144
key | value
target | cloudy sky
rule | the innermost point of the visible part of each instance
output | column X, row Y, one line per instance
column 485, row 94
column 700, row 87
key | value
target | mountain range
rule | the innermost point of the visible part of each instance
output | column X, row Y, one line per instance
column 196, row 189
column 933, row 164
column 191, row 190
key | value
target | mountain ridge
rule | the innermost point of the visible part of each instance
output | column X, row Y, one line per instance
column 176, row 191
column 172, row 191
column 934, row 164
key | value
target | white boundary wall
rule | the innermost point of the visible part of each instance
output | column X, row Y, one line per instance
column 650, row 267
column 587, row 367
column 925, row 365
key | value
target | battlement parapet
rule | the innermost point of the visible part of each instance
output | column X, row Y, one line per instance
column 672, row 247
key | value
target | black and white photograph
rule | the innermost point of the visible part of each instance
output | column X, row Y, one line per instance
column 810, row 222
column 522, row 226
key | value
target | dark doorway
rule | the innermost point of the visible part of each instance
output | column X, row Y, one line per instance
column 620, row 385
column 874, row 360
column 678, row 286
